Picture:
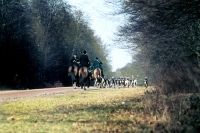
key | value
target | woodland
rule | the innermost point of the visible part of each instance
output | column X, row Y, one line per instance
column 166, row 36
column 38, row 39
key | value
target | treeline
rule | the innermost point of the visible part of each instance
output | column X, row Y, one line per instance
column 166, row 36
column 37, row 40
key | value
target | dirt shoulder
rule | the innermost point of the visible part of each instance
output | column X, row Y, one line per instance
column 26, row 94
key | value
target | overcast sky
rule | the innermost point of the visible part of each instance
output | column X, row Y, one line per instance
column 105, row 26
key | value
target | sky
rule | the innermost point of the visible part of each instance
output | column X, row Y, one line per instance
column 105, row 26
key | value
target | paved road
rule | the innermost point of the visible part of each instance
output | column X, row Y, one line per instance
column 21, row 94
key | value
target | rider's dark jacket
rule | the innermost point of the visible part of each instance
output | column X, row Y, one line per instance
column 84, row 61
column 97, row 64
column 74, row 61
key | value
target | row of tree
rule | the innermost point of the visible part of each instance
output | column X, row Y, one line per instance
column 166, row 36
column 37, row 40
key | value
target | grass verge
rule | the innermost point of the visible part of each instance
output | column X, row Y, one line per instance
column 100, row 110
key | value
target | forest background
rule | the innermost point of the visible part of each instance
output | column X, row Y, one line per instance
column 38, row 39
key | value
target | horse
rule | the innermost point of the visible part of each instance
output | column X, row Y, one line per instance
column 84, row 77
column 73, row 72
column 99, row 80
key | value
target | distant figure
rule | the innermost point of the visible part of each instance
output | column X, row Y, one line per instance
column 145, row 82
column 84, row 60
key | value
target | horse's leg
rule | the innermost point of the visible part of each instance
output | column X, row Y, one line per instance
column 77, row 83
column 88, row 82
column 95, row 82
column 84, row 86
column 74, row 84
column 81, row 83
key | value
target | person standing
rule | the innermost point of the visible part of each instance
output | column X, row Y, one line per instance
column 145, row 82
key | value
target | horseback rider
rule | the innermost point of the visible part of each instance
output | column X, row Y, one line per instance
column 75, row 60
column 84, row 60
column 97, row 64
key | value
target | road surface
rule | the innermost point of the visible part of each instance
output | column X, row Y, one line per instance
column 25, row 94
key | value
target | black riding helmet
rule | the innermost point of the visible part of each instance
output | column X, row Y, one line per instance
column 84, row 52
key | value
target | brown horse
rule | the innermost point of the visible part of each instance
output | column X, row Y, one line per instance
column 73, row 72
column 99, row 80
column 84, row 77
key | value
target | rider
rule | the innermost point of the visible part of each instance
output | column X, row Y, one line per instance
column 97, row 64
column 75, row 60
column 84, row 60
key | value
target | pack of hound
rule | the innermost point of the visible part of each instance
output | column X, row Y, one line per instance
column 123, row 82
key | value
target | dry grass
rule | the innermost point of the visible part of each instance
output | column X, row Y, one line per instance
column 102, row 110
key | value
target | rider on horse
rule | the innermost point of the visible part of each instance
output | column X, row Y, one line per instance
column 84, row 60
column 97, row 64
column 75, row 62
column 83, row 72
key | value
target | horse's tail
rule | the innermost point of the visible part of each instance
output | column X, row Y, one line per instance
column 83, row 74
column 97, row 73
column 72, row 72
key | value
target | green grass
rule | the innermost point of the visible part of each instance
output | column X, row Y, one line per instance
column 101, row 110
